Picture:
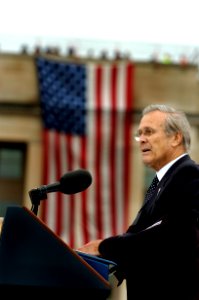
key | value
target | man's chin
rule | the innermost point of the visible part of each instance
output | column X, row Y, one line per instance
column 147, row 162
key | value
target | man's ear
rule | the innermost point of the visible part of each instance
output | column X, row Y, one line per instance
column 177, row 139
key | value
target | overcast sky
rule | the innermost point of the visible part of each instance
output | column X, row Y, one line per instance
column 114, row 21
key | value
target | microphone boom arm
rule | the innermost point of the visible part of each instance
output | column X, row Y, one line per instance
column 36, row 195
column 70, row 183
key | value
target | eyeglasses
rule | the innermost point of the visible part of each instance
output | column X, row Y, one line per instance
column 147, row 132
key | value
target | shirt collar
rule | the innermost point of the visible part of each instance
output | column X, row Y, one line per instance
column 164, row 169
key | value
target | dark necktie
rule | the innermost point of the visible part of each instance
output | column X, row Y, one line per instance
column 148, row 195
column 151, row 188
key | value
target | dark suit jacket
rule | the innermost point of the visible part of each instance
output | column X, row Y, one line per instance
column 158, row 253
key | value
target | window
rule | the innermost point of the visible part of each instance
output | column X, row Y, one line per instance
column 12, row 163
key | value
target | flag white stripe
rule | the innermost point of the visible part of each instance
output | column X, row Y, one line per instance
column 51, row 179
column 105, row 155
column 77, row 197
column 120, row 193
column 91, row 106
column 65, row 198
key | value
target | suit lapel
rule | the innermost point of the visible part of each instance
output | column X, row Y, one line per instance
column 148, row 206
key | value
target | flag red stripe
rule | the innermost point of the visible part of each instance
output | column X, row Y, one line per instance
column 127, row 138
column 113, row 128
column 98, row 139
column 46, row 167
column 69, row 141
column 83, row 163
column 58, row 175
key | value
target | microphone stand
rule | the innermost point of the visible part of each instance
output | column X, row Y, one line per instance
column 36, row 195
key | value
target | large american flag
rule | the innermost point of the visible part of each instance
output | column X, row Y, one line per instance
column 87, row 116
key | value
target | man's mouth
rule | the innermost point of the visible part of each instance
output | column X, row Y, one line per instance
column 146, row 150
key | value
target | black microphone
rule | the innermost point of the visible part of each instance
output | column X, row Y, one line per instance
column 70, row 183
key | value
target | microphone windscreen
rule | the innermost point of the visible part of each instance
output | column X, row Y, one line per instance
column 75, row 181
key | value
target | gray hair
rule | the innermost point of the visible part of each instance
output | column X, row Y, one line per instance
column 176, row 121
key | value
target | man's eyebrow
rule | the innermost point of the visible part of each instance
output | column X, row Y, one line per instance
column 144, row 128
